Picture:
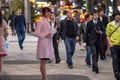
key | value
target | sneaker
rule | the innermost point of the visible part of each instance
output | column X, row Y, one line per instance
column 58, row 61
column 49, row 61
column 70, row 67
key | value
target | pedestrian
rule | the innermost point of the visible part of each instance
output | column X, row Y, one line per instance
column 11, row 23
column 69, row 32
column 88, row 17
column 113, row 37
column 45, row 46
column 3, row 38
column 77, row 16
column 55, row 39
column 82, row 16
column 94, row 31
column 19, row 24
column 104, row 19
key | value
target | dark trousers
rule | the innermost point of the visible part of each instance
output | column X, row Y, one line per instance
column 100, row 49
column 12, row 30
column 115, row 52
column 21, row 37
column 94, row 56
column 56, row 50
column 103, row 48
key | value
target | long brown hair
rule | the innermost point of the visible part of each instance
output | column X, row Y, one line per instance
column 0, row 18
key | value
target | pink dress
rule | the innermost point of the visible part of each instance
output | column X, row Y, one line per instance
column 3, row 33
column 44, row 46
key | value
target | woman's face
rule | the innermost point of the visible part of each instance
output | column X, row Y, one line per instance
column 47, row 14
column 52, row 16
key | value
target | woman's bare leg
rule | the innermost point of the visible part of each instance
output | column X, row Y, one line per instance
column 43, row 69
column 0, row 65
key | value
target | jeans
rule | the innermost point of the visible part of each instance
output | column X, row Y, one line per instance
column 21, row 38
column 88, row 55
column 70, row 49
column 115, row 52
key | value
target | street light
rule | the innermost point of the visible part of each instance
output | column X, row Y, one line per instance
column 32, row 1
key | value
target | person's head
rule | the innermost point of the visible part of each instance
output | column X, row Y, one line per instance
column 116, row 16
column 100, row 12
column 84, row 11
column 19, row 11
column 95, row 15
column 69, row 14
column 52, row 16
column 13, row 12
column 88, row 17
column 75, row 12
column 2, row 12
column 46, row 12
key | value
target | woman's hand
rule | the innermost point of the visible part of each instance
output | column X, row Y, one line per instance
column 57, row 26
column 48, row 35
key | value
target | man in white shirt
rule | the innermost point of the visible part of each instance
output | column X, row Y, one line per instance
column 53, row 23
column 104, row 20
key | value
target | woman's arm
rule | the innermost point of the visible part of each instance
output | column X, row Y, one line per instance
column 37, row 31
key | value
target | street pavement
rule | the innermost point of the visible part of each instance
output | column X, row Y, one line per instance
column 23, row 65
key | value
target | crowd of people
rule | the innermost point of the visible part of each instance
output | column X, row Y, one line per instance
column 94, row 31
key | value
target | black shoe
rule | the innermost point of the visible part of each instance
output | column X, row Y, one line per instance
column 70, row 67
column 58, row 61
column 21, row 48
column 96, row 70
column 117, row 76
column 89, row 65
column 93, row 68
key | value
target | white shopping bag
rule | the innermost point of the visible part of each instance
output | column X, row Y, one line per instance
column 6, row 44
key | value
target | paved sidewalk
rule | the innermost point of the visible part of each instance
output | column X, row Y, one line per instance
column 24, row 63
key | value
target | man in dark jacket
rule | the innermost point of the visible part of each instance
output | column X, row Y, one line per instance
column 11, row 22
column 20, row 27
column 94, row 33
column 88, row 17
column 69, row 32
column 103, row 18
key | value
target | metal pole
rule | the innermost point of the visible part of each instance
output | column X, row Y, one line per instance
column 27, row 15
column 0, row 3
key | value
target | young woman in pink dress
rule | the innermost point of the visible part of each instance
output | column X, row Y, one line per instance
column 3, row 38
column 44, row 33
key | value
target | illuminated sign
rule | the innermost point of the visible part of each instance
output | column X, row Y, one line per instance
column 40, row 0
